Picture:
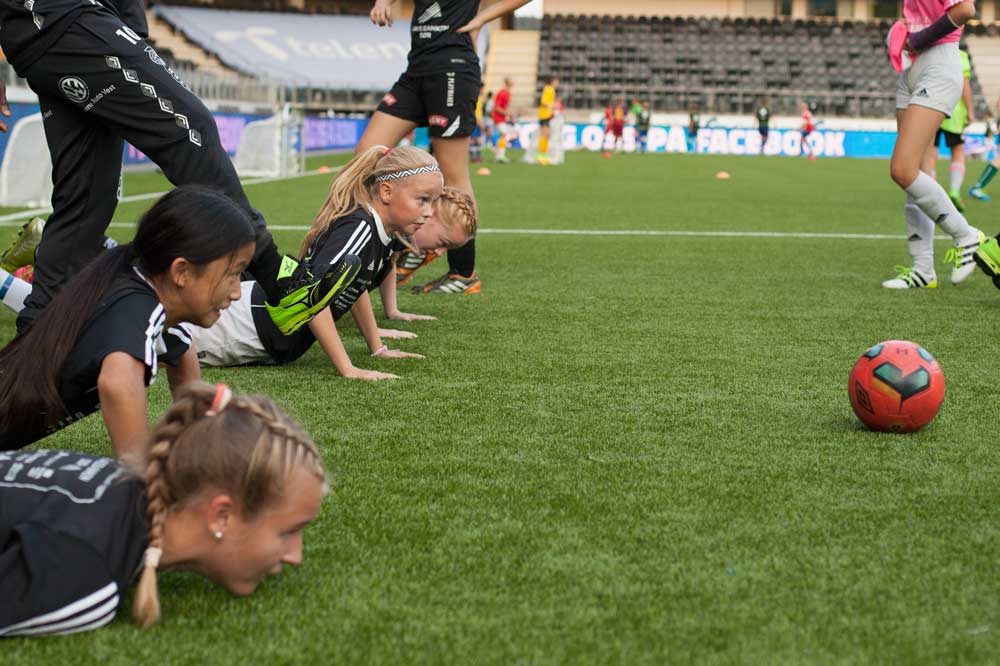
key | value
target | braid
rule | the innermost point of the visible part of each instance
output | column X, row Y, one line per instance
column 190, row 407
column 459, row 204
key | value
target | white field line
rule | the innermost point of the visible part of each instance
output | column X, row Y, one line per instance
column 14, row 219
column 617, row 232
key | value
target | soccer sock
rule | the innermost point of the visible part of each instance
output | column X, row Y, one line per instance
column 931, row 198
column 13, row 291
column 986, row 176
column 543, row 146
column 265, row 265
column 957, row 173
column 919, row 238
column 462, row 260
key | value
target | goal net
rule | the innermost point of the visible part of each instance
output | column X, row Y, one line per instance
column 26, row 172
column 556, row 154
column 272, row 147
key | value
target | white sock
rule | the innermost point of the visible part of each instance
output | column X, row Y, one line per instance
column 957, row 173
column 931, row 198
column 13, row 291
column 920, row 239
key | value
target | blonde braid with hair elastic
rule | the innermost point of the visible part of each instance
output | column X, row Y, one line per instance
column 210, row 438
column 458, row 208
column 146, row 605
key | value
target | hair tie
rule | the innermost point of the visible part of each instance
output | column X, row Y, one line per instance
column 222, row 397
column 152, row 557
column 387, row 151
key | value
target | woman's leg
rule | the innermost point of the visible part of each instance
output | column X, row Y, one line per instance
column 918, row 126
column 384, row 130
column 453, row 156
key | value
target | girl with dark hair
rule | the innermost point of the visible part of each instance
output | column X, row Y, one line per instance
column 100, row 341
column 230, row 484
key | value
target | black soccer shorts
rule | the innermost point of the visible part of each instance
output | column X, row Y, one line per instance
column 444, row 102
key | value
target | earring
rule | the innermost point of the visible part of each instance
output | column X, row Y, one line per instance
column 218, row 535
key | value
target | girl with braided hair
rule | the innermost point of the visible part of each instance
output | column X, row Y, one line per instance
column 98, row 345
column 229, row 485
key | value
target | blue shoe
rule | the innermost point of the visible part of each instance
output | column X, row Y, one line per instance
column 977, row 193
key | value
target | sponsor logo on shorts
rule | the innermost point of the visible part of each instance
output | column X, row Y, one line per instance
column 74, row 88
column 921, row 93
column 389, row 99
column 450, row 101
column 439, row 121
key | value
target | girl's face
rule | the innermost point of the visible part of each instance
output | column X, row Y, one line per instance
column 205, row 291
column 435, row 236
column 251, row 550
column 410, row 202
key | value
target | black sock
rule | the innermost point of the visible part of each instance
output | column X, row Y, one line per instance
column 463, row 259
column 265, row 265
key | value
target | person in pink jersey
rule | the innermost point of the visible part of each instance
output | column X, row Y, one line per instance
column 925, row 48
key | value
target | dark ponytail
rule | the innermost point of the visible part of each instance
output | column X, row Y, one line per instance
column 195, row 223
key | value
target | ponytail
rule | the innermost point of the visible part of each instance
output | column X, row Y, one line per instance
column 192, row 222
column 31, row 365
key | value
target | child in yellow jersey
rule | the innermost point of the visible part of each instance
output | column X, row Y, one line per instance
column 546, row 109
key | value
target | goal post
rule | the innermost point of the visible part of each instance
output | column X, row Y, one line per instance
column 272, row 147
column 26, row 171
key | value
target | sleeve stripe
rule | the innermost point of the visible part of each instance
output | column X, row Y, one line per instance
column 102, row 614
column 100, row 622
column 360, row 231
column 89, row 601
column 181, row 332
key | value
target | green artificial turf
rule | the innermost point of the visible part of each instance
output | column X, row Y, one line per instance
column 629, row 449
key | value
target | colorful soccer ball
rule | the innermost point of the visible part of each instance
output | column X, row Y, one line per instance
column 896, row 386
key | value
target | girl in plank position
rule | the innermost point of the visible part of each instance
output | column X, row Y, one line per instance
column 99, row 343
column 229, row 485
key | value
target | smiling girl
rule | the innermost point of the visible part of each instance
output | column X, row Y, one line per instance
column 230, row 485
column 99, row 343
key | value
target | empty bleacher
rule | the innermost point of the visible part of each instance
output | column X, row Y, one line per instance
column 722, row 64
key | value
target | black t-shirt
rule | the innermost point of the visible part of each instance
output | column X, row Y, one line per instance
column 763, row 117
column 359, row 233
column 29, row 27
column 434, row 45
column 129, row 319
column 73, row 529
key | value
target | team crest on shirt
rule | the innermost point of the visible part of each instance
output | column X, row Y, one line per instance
column 389, row 99
column 439, row 121
column 74, row 88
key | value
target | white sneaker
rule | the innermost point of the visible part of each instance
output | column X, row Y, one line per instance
column 961, row 258
column 910, row 278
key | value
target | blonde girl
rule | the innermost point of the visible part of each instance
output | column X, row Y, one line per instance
column 228, row 486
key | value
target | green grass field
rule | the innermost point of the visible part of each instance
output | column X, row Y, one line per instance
column 629, row 449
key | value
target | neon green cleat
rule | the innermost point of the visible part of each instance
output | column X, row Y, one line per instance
column 988, row 259
column 21, row 253
column 961, row 258
column 305, row 294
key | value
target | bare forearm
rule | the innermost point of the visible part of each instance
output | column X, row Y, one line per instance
column 387, row 290
column 364, row 317
column 188, row 370
column 122, row 392
column 324, row 329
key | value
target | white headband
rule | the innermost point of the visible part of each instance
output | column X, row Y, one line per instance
column 406, row 173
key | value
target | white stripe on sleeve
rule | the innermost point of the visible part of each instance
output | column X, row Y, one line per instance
column 93, row 599
column 362, row 227
column 103, row 614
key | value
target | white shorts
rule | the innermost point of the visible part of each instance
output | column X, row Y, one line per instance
column 934, row 80
column 232, row 340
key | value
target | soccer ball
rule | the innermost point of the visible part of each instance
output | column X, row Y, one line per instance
column 896, row 386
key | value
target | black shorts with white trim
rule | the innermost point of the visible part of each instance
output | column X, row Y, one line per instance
column 445, row 103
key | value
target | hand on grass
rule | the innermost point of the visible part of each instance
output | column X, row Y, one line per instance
column 395, row 334
column 409, row 316
column 396, row 353
column 370, row 375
